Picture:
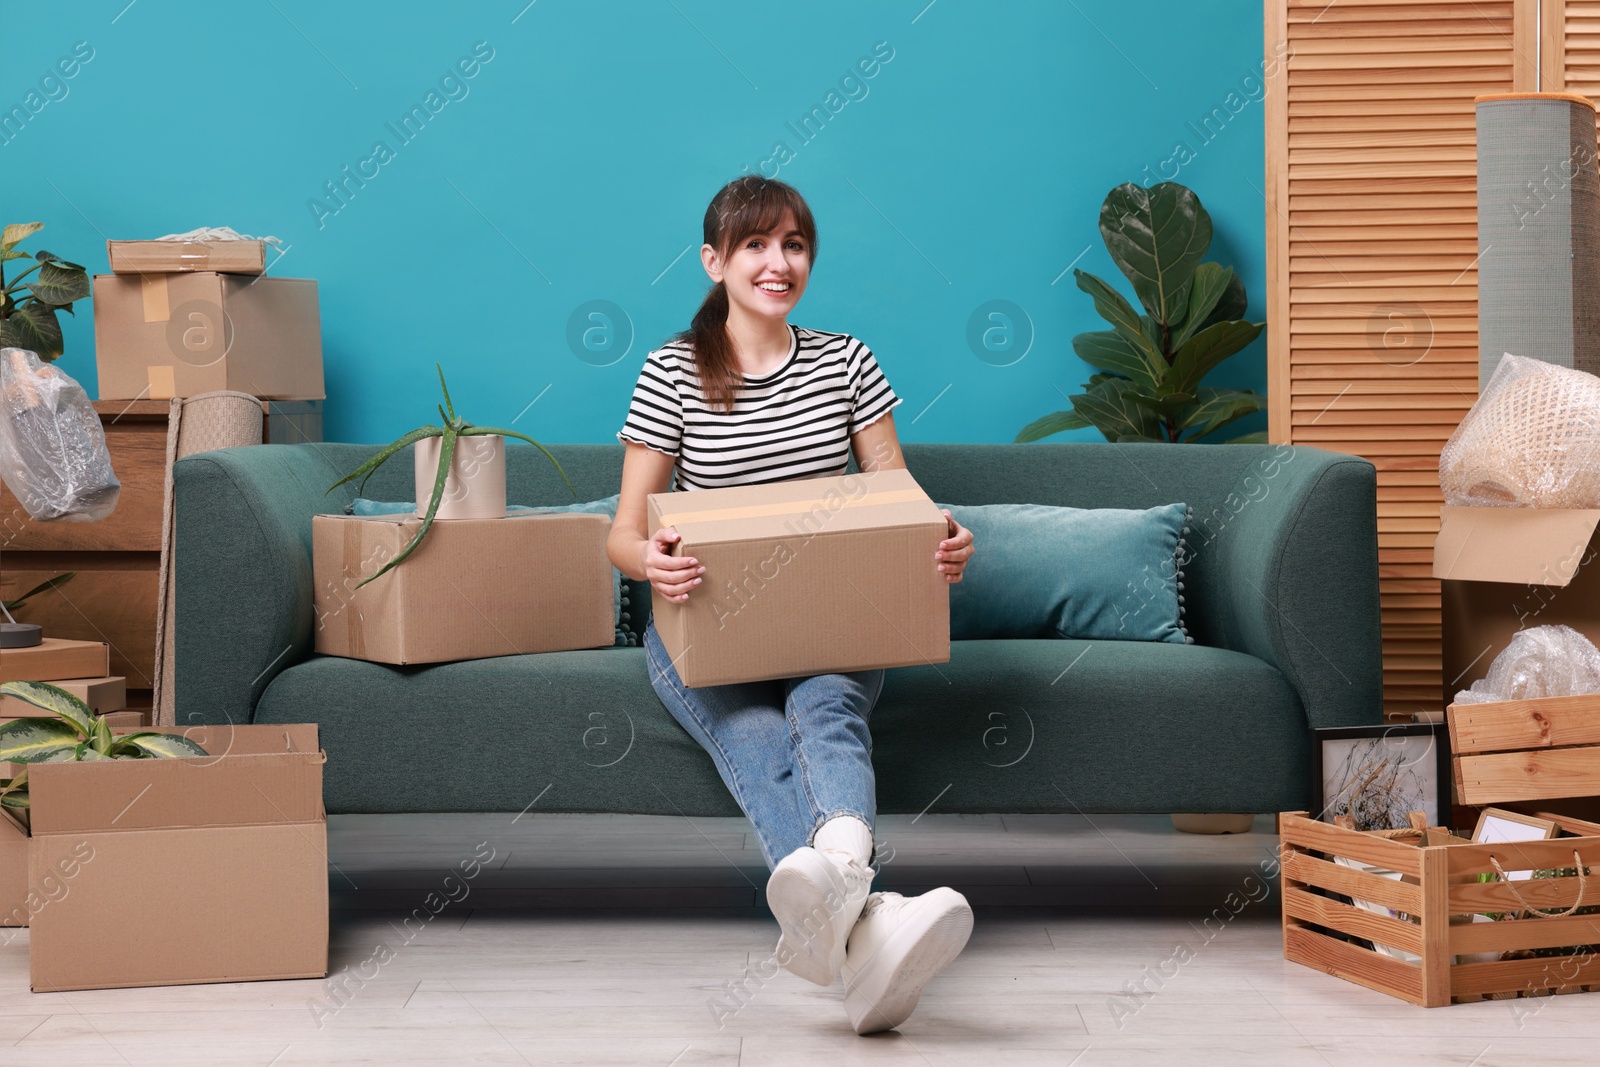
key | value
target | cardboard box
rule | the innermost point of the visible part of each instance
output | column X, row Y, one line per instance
column 101, row 694
column 475, row 588
column 812, row 576
column 13, row 870
column 224, row 856
column 171, row 257
column 54, row 659
column 1508, row 569
column 159, row 336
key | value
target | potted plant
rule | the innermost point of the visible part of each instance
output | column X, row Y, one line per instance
column 29, row 321
column 73, row 733
column 1150, row 366
column 439, row 464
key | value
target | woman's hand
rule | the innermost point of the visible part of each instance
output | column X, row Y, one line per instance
column 954, row 551
column 671, row 576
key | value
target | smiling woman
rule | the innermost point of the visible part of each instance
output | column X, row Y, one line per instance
column 743, row 397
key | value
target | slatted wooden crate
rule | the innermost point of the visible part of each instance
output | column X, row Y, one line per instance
column 1440, row 893
column 1520, row 750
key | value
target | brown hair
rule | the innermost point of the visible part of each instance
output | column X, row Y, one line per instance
column 745, row 206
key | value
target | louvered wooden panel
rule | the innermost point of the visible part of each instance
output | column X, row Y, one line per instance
column 1372, row 246
column 1570, row 32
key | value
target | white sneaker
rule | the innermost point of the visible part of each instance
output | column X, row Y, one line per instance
column 817, row 893
column 896, row 948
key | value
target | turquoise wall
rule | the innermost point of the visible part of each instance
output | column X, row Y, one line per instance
column 575, row 162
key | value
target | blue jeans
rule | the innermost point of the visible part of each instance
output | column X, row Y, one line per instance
column 794, row 752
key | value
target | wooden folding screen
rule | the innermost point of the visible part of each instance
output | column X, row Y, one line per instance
column 1371, row 257
column 1569, row 32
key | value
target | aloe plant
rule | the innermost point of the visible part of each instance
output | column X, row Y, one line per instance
column 73, row 733
column 453, row 429
column 1150, row 366
column 29, row 321
column 48, row 584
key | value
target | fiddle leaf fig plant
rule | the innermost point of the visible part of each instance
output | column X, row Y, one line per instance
column 72, row 733
column 1150, row 365
column 28, row 308
column 453, row 429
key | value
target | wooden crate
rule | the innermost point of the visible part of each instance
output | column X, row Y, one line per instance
column 1439, row 890
column 1521, row 750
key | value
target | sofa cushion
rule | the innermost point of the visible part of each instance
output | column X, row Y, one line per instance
column 1113, row 574
column 1010, row 725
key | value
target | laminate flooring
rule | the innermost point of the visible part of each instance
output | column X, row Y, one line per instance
column 1100, row 940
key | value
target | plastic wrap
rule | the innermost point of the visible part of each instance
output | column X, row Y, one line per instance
column 53, row 454
column 1545, row 661
column 1532, row 440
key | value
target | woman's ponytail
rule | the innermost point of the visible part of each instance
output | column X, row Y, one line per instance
column 745, row 206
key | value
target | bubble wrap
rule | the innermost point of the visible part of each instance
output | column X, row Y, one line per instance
column 1545, row 661
column 1532, row 440
column 53, row 454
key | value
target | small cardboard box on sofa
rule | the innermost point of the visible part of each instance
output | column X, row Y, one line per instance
column 1282, row 603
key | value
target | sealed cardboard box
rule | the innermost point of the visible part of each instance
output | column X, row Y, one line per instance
column 101, row 694
column 55, row 658
column 475, row 588
column 159, row 336
column 1508, row 569
column 172, row 257
column 13, row 870
column 227, row 852
column 813, row 576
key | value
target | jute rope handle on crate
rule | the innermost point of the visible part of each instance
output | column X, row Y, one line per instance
column 1583, row 883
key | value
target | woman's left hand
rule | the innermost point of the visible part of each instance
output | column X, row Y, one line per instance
column 954, row 551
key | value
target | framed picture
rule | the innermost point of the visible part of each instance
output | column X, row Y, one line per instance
column 1376, row 774
column 1497, row 826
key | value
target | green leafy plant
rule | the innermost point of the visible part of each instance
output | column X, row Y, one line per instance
column 1150, row 366
column 453, row 429
column 73, row 733
column 60, row 579
column 29, row 320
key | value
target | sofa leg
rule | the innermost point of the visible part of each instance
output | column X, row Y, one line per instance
column 1212, row 823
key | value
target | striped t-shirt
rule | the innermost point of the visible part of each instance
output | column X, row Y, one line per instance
column 793, row 423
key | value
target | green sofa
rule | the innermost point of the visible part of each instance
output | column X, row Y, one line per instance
column 1281, row 600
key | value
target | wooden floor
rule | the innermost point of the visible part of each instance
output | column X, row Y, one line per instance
column 624, row 940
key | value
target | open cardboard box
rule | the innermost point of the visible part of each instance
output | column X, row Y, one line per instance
column 223, row 856
column 1508, row 569
column 812, row 576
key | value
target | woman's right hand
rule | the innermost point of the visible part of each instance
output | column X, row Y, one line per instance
column 671, row 576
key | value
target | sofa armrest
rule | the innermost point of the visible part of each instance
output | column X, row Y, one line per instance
column 242, row 568
column 1292, row 578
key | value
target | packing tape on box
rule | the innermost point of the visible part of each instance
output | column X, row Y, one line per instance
column 792, row 507
column 153, row 290
column 163, row 382
column 355, row 637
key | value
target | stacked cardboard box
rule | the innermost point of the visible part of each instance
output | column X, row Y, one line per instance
column 175, row 319
column 242, row 830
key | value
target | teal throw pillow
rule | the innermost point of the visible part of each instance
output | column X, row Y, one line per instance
column 1099, row 574
column 607, row 507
